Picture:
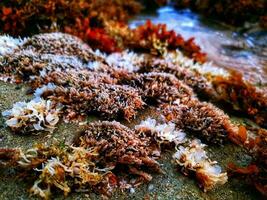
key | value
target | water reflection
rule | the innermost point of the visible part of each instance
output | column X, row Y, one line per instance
column 228, row 47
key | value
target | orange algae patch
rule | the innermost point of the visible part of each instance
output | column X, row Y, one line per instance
column 242, row 96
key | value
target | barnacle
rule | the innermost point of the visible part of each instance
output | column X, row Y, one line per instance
column 200, row 118
column 194, row 158
column 62, row 72
column 100, row 149
column 36, row 115
column 122, row 75
column 113, row 100
column 82, row 92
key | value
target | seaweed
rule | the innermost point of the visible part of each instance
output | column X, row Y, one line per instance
column 31, row 17
column 242, row 96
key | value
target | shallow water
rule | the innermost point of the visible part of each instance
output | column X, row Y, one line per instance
column 243, row 49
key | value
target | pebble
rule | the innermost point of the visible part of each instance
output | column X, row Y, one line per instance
column 150, row 187
column 132, row 190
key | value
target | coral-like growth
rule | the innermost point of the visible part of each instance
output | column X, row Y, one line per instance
column 60, row 44
column 64, row 71
column 36, row 115
column 228, row 87
column 103, row 151
column 160, row 87
column 201, row 118
column 83, row 93
column 120, row 145
column 35, row 57
column 77, row 78
column 27, row 65
column 191, row 78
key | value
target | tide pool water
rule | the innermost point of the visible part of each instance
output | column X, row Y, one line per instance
column 243, row 49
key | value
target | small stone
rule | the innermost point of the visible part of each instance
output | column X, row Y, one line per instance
column 150, row 187
column 132, row 190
